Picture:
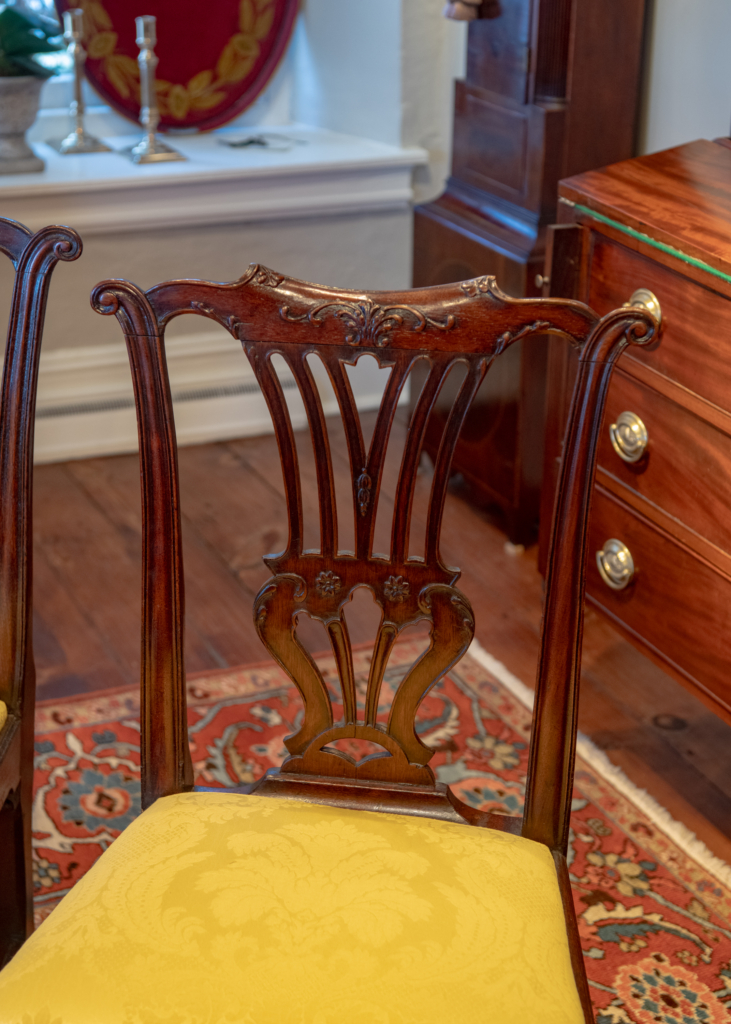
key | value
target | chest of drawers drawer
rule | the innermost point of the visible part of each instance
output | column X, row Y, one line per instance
column 675, row 604
column 696, row 320
column 668, row 456
column 661, row 223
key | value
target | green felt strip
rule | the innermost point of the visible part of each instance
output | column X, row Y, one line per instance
column 642, row 237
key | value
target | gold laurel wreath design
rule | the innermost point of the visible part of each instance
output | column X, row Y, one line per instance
column 205, row 90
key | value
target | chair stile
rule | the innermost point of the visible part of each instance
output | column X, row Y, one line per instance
column 34, row 257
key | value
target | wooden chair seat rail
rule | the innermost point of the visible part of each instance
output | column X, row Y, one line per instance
column 34, row 257
column 470, row 324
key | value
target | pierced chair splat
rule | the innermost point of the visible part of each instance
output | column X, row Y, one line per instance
column 285, row 889
column 34, row 257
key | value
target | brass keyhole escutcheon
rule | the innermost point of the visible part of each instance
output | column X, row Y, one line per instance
column 615, row 563
column 647, row 300
column 629, row 437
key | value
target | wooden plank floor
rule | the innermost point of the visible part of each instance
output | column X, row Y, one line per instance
column 87, row 604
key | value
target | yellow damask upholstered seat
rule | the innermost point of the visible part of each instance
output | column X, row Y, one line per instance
column 252, row 910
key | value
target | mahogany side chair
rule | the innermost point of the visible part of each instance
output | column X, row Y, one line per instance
column 334, row 889
column 34, row 257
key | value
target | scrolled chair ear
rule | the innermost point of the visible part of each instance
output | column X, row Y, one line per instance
column 618, row 329
column 65, row 242
column 130, row 305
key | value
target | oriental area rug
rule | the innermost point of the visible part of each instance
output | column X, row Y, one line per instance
column 653, row 904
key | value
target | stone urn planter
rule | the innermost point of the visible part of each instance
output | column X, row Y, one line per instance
column 19, row 99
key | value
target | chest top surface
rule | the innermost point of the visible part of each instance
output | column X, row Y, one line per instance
column 680, row 197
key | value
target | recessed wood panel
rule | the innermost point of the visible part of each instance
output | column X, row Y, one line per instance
column 605, row 79
column 491, row 143
column 498, row 51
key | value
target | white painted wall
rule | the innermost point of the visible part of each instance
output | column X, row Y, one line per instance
column 378, row 69
column 383, row 69
column 347, row 67
column 688, row 74
column 433, row 54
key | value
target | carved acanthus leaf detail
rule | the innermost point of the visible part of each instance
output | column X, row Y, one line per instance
column 231, row 323
column 363, row 484
column 261, row 275
column 367, row 321
column 482, row 286
column 508, row 337
column 256, row 274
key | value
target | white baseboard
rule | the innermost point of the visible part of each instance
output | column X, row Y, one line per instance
column 86, row 405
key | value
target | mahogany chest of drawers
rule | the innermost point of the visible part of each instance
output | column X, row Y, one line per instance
column 657, row 229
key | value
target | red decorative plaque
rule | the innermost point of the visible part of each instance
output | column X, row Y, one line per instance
column 215, row 58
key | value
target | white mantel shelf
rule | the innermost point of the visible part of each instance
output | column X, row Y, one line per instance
column 323, row 172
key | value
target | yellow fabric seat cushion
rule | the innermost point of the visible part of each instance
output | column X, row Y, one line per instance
column 252, row 910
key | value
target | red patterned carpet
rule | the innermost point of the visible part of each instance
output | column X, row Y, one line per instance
column 655, row 921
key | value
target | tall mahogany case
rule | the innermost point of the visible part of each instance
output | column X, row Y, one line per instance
column 551, row 89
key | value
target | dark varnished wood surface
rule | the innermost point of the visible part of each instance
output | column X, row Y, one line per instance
column 666, row 567
column 680, row 197
column 508, row 36
column 34, row 257
column 686, row 457
column 694, row 349
column 503, row 431
column 541, row 99
column 543, row 80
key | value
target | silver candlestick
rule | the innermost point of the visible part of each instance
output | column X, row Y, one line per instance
column 150, row 149
column 79, row 140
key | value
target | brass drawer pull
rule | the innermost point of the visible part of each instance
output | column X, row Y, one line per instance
column 648, row 300
column 615, row 563
column 629, row 437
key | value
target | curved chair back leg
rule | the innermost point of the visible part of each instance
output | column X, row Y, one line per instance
column 34, row 257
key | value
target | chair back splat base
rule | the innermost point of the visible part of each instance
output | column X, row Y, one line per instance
column 469, row 324
column 34, row 257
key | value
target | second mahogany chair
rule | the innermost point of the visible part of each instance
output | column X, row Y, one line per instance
column 365, row 891
column 34, row 257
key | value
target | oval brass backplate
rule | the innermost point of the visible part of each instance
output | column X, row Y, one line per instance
column 615, row 563
column 648, row 300
column 629, row 437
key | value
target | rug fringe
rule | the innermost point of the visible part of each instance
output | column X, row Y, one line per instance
column 679, row 833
